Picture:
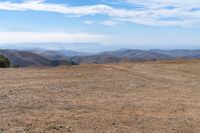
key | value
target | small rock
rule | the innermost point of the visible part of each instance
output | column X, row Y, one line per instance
column 113, row 123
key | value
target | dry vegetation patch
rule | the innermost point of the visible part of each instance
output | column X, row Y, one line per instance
column 137, row 97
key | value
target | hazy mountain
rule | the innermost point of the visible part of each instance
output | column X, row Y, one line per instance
column 27, row 58
column 86, row 47
column 41, row 57
column 50, row 54
column 90, row 47
column 138, row 54
column 70, row 53
column 24, row 58
column 122, row 55
column 59, row 54
column 191, row 54
column 96, row 59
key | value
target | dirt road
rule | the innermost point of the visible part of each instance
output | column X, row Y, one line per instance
column 153, row 97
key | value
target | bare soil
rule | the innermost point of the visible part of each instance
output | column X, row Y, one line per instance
column 152, row 97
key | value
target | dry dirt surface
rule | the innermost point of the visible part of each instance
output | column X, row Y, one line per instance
column 152, row 97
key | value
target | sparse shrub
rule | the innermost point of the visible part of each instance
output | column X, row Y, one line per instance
column 68, row 62
column 4, row 62
column 71, row 62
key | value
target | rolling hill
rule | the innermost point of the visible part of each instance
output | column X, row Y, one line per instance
column 27, row 59
column 42, row 57
column 122, row 56
column 190, row 54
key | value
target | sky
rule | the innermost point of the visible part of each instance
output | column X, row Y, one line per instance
column 145, row 24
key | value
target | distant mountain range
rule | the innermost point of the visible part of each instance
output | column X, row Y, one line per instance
column 28, row 58
column 42, row 57
column 86, row 47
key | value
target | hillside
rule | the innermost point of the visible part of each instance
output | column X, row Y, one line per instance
column 140, row 97
column 24, row 58
column 122, row 56
column 190, row 54
column 42, row 57
column 96, row 59
column 131, row 55
column 29, row 58
column 50, row 54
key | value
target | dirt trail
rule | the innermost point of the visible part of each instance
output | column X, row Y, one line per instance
column 150, row 97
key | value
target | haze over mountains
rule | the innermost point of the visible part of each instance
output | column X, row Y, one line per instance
column 90, row 47
column 28, row 58
column 39, row 56
column 87, row 47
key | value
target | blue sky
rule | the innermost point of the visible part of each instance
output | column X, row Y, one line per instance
column 140, row 23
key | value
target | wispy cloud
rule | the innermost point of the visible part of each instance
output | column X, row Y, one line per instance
column 89, row 22
column 105, row 22
column 148, row 12
column 110, row 23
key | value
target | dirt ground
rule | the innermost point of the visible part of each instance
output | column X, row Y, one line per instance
column 152, row 97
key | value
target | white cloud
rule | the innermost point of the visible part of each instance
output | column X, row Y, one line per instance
column 50, row 37
column 105, row 23
column 110, row 23
column 89, row 22
column 148, row 12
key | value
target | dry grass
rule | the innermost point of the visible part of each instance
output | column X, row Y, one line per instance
column 139, row 97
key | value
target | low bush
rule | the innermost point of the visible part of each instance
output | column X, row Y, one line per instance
column 4, row 62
